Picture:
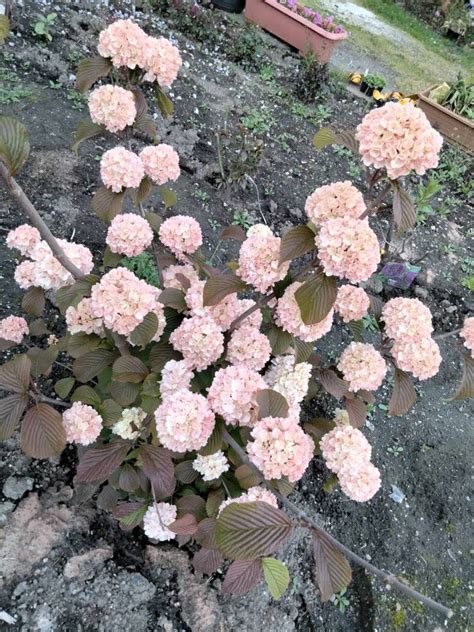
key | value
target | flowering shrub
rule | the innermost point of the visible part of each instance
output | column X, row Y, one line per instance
column 190, row 396
column 326, row 23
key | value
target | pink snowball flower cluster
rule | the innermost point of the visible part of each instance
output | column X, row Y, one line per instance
column 83, row 319
column 129, row 234
column 200, row 340
column 13, row 328
column 121, row 168
column 421, row 358
column 362, row 366
column 289, row 379
column 24, row 238
column 112, row 106
column 157, row 518
column 252, row 495
column 399, row 138
column 467, row 332
column 163, row 61
column 161, row 163
column 170, row 275
column 339, row 199
column 259, row 258
column 184, row 422
column 360, row 483
column 211, row 466
column 232, row 394
column 352, row 303
column 288, row 316
column 82, row 424
column 348, row 248
column 280, row 448
column 175, row 376
column 249, row 347
column 125, row 43
column 122, row 300
column 181, row 234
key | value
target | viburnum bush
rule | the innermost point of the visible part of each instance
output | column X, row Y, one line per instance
column 190, row 402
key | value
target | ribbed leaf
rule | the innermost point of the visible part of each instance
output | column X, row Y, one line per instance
column 97, row 464
column 131, row 514
column 164, row 104
column 247, row 477
column 214, row 442
column 206, row 533
column 233, row 232
column 144, row 332
column 89, row 365
column 276, row 575
column 129, row 369
column 303, row 349
column 168, row 196
column 11, row 411
column 111, row 259
column 333, row 572
column 357, row 411
column 42, row 432
column 332, row 383
column 33, row 301
column 347, row 139
column 63, row 387
column 110, row 412
column 159, row 468
column 107, row 499
column 376, row 305
column 42, row 359
column 192, row 504
column 324, row 137
column 89, row 70
column 86, row 395
column 128, row 479
column 466, row 387
column 316, row 297
column 404, row 212
column 15, row 374
column 107, row 204
column 144, row 189
column 155, row 222
column 85, row 130
column 160, row 354
column 207, row 561
column 172, row 297
column 317, row 428
column 14, row 144
column 271, row 404
column 124, row 393
column 186, row 525
column 403, row 394
column 38, row 328
column 185, row 473
column 82, row 343
column 246, row 531
column 242, row 576
column 279, row 339
column 146, row 124
column 219, row 286
column 297, row 241
column 214, row 500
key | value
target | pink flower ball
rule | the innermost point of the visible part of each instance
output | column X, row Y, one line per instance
column 232, row 394
column 184, row 422
column 259, row 259
column 288, row 378
column 82, row 424
column 399, row 138
column 163, row 61
column 344, row 445
column 170, row 275
column 254, row 319
column 407, row 318
column 362, row 366
column 120, row 168
column 47, row 272
column 125, row 43
column 161, row 163
column 181, row 234
column 359, row 483
column 420, row 357
column 348, row 248
column 156, row 520
column 280, row 448
column 352, row 303
column 175, row 376
column 122, row 300
column 24, row 238
column 467, row 333
column 248, row 347
column 113, row 107
column 200, row 340
column 252, row 495
column 340, row 199
column 13, row 328
column 82, row 319
column 24, row 274
column 288, row 316
column 129, row 234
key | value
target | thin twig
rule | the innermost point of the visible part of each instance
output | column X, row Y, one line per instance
column 374, row 206
column 447, row 334
column 50, row 400
column 312, row 525
column 258, row 197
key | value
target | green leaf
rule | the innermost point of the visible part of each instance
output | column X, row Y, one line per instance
column 11, row 411
column 276, row 575
column 247, row 531
column 72, row 294
column 131, row 514
column 303, row 350
column 110, row 412
column 4, row 28
column 466, row 387
column 159, row 469
column 160, row 354
column 168, row 196
column 128, row 368
column 316, row 297
column 219, row 286
column 107, row 204
column 89, row 365
column 15, row 374
column 297, row 241
column 86, row 395
column 14, row 144
column 332, row 569
column 324, row 137
column 403, row 394
column 154, row 220
column 82, row 343
column 279, row 339
column 85, row 130
column 247, row 477
column 89, row 70
column 111, row 259
column 144, row 332
column 242, row 576
column 97, row 464
column 42, row 432
column 271, row 404
column 185, row 473
column 404, row 213
column 42, row 360
column 164, row 104
column 63, row 387
column 214, row 442
column 124, row 393
column 215, row 498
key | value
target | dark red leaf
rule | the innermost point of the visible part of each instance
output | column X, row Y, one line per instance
column 466, row 387
column 357, row 411
column 333, row 572
column 219, row 286
column 207, row 561
column 15, row 374
column 271, row 404
column 403, row 394
column 11, row 411
column 242, row 576
column 186, row 525
column 332, row 383
column 97, row 464
column 42, row 432
column 33, row 301
column 159, row 468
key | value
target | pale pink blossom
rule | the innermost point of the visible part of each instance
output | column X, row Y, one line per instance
column 181, row 234
column 359, row 482
column 170, row 275
column 82, row 424
column 129, row 234
column 112, row 106
column 420, row 357
column 288, row 378
column 24, row 274
column 259, row 259
column 399, row 138
column 157, row 518
column 252, row 495
column 83, row 319
column 248, row 347
column 175, row 376
column 163, row 61
column 161, row 163
column 344, row 445
column 13, row 328
column 407, row 319
column 352, row 303
column 211, row 466
column 184, row 422
column 348, row 248
column 200, row 340
column 339, row 199
column 467, row 332
column 125, row 43
column 24, row 238
column 362, row 366
column 288, row 316
column 121, row 168
column 47, row 272
column 232, row 394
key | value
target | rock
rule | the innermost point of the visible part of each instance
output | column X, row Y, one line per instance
column 5, row 508
column 296, row 212
column 82, row 567
column 374, row 285
column 16, row 487
column 421, row 291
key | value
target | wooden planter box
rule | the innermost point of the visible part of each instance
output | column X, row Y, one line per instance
column 292, row 28
column 454, row 128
